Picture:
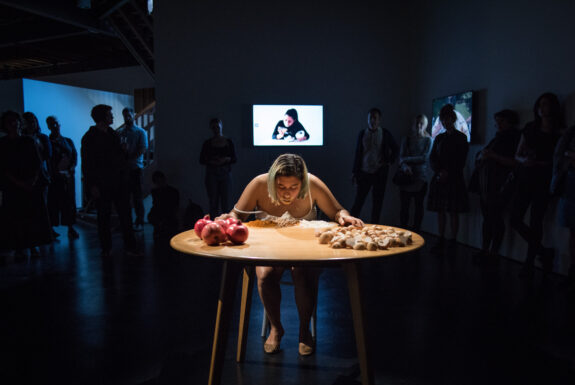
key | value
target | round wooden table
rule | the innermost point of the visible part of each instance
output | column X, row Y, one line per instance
column 288, row 246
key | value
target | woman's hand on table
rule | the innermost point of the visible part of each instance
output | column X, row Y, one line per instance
column 225, row 216
column 349, row 220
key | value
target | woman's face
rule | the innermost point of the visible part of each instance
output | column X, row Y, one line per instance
column 287, row 189
column 419, row 124
column 288, row 120
column 545, row 107
column 12, row 126
column 502, row 124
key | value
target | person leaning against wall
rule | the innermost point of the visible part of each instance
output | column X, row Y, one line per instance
column 375, row 151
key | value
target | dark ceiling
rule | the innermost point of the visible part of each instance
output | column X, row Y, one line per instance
column 40, row 38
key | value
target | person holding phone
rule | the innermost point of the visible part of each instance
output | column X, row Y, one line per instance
column 290, row 129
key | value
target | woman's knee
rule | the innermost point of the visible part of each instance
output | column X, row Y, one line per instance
column 268, row 275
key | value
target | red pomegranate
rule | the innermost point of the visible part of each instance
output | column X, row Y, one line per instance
column 223, row 223
column 213, row 234
column 200, row 223
column 238, row 233
column 232, row 220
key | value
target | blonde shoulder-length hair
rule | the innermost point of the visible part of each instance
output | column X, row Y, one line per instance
column 288, row 165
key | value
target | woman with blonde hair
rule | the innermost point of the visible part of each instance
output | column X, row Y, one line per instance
column 288, row 189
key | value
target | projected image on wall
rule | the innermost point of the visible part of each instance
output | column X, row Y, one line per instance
column 463, row 103
column 287, row 125
column 72, row 107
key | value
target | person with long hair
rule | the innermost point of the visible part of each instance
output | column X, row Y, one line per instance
column 535, row 155
column 413, row 160
column 289, row 189
column 447, row 190
column 290, row 129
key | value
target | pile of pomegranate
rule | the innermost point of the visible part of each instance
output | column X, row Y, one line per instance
column 221, row 230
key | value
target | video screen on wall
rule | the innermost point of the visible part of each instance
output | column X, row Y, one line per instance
column 463, row 103
column 287, row 125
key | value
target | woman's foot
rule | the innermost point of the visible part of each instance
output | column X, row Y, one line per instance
column 272, row 344
column 306, row 343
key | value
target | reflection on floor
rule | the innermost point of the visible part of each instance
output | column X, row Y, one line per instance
column 71, row 317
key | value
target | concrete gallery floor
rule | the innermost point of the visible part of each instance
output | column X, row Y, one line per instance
column 72, row 317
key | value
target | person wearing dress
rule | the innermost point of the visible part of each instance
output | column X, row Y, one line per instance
column 447, row 190
column 289, row 188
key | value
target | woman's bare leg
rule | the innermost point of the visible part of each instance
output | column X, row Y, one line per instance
column 271, row 295
column 305, row 282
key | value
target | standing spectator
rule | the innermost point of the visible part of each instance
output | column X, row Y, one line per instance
column 24, row 220
column 31, row 128
column 218, row 154
column 535, row 154
column 447, row 190
column 165, row 205
column 492, row 167
column 106, row 177
column 413, row 160
column 62, row 190
column 375, row 151
column 135, row 144
column 563, row 184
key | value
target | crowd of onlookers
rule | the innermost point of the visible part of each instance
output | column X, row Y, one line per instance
column 518, row 170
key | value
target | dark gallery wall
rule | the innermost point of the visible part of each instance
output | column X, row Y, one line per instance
column 219, row 58
column 120, row 80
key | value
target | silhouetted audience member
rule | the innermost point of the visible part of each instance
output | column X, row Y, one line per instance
column 447, row 190
column 492, row 167
column 218, row 154
column 375, row 151
column 413, row 160
column 62, row 189
column 535, row 155
column 165, row 206
column 563, row 184
column 24, row 216
column 31, row 128
column 135, row 143
column 106, row 177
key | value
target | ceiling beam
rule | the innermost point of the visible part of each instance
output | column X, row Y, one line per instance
column 62, row 13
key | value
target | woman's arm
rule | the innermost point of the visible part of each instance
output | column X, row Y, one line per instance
column 253, row 192
column 329, row 205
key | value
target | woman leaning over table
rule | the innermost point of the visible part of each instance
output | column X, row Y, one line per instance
column 288, row 188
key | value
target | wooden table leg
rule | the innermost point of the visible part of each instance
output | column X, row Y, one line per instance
column 246, row 304
column 223, row 319
column 354, row 287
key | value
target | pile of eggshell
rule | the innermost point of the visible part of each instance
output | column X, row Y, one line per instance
column 369, row 237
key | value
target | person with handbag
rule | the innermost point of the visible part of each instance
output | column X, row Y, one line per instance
column 411, row 175
column 563, row 185
column 492, row 167
column 535, row 155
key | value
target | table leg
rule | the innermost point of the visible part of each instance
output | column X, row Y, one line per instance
column 354, row 287
column 225, row 309
column 246, row 304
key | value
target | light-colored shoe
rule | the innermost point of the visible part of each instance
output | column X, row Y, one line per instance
column 305, row 350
